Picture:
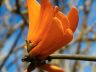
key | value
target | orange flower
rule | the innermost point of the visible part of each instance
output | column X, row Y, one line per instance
column 49, row 68
column 49, row 29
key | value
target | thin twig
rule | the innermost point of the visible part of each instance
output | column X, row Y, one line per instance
column 1, row 2
column 73, row 57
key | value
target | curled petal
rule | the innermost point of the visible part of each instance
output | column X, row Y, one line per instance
column 73, row 18
column 51, row 68
column 63, row 19
column 56, row 10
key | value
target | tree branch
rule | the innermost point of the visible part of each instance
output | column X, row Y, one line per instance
column 17, row 38
column 73, row 57
column 1, row 1
column 12, row 48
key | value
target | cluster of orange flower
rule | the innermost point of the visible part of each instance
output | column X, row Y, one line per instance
column 49, row 29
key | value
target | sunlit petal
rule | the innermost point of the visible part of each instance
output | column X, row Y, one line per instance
column 51, row 68
column 34, row 16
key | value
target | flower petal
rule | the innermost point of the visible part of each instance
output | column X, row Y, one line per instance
column 25, row 70
column 34, row 15
column 51, row 68
column 73, row 18
column 53, row 36
column 68, row 36
column 63, row 19
column 45, row 20
column 44, row 2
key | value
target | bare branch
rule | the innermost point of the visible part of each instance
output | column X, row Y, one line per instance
column 12, row 48
column 73, row 57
